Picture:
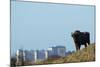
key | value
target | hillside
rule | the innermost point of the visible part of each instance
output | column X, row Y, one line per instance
column 83, row 55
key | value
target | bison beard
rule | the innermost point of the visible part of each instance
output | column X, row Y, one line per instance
column 81, row 38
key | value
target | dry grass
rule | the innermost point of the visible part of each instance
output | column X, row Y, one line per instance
column 83, row 55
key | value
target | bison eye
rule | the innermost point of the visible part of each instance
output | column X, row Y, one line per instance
column 73, row 35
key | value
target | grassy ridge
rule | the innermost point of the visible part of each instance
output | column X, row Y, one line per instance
column 83, row 55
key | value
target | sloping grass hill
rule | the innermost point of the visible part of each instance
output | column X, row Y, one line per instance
column 83, row 55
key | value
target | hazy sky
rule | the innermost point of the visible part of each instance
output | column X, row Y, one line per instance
column 42, row 25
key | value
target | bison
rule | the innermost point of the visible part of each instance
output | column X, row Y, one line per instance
column 81, row 38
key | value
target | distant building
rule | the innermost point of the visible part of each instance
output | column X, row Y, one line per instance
column 28, row 56
column 31, row 56
column 57, row 51
column 41, row 55
column 19, row 56
column 61, row 50
column 69, row 52
column 50, row 52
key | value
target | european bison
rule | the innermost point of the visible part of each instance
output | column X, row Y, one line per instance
column 81, row 38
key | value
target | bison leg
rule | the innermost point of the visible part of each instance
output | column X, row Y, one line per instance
column 89, row 42
column 77, row 47
column 85, row 45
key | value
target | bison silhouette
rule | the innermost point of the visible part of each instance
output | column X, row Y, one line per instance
column 81, row 38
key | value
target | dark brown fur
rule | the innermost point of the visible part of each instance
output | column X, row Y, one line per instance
column 81, row 38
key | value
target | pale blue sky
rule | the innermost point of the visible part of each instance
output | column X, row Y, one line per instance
column 42, row 25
